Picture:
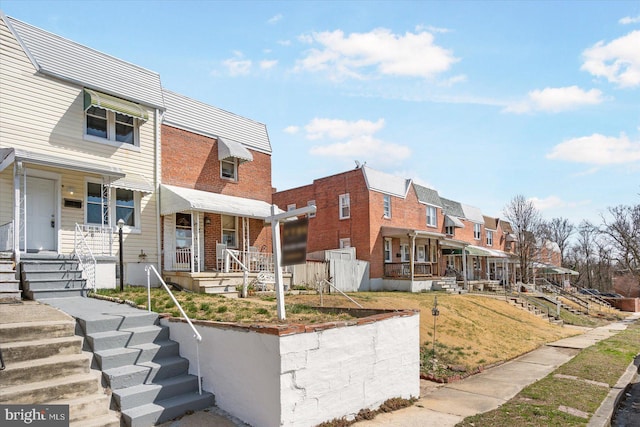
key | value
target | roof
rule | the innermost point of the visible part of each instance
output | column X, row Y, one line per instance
column 506, row 226
column 490, row 223
column 198, row 117
column 427, row 196
column 179, row 199
column 67, row 60
column 472, row 213
column 386, row 183
column 452, row 208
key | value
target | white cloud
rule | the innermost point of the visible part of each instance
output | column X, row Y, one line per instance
column 555, row 202
column 460, row 78
column 268, row 64
column 354, row 140
column 432, row 29
column 629, row 20
column 291, row 130
column 597, row 149
column 555, row 100
column 617, row 61
column 275, row 19
column 238, row 66
column 378, row 52
column 284, row 42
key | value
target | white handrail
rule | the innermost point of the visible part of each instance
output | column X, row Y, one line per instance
column 331, row 285
column 196, row 335
column 245, row 272
column 85, row 257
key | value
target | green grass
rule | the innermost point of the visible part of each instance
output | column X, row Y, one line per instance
column 538, row 404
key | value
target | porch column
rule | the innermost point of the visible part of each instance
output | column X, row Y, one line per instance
column 17, row 166
column 412, row 251
column 464, row 268
column 193, row 257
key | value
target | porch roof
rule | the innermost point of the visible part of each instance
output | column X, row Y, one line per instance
column 10, row 155
column 179, row 199
column 404, row 232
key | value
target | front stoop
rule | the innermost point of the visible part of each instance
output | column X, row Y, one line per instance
column 45, row 364
column 51, row 277
column 9, row 284
column 143, row 368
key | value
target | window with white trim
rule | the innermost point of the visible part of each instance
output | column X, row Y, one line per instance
column 477, row 231
column 229, row 231
column 432, row 216
column 345, row 206
column 489, row 238
column 291, row 207
column 95, row 205
column 229, row 169
column 345, row 243
column 405, row 256
column 312, row 203
column 125, row 205
column 386, row 205
column 449, row 230
column 387, row 251
column 101, row 124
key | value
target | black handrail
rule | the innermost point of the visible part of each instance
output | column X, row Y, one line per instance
column 1, row 361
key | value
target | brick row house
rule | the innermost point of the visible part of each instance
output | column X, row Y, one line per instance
column 87, row 139
column 412, row 238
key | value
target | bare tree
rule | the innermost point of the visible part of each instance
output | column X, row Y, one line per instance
column 586, row 251
column 527, row 224
column 559, row 230
column 623, row 232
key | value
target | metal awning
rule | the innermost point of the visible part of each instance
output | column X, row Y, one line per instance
column 179, row 199
column 401, row 232
column 511, row 237
column 452, row 221
column 93, row 98
column 477, row 251
column 228, row 148
column 133, row 182
column 10, row 155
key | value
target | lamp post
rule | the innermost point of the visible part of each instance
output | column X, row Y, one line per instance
column 435, row 313
column 120, row 225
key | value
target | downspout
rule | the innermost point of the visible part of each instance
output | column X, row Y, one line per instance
column 157, row 153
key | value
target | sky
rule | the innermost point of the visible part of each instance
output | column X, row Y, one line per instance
column 480, row 100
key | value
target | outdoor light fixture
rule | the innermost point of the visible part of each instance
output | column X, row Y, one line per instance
column 120, row 226
column 71, row 190
column 207, row 221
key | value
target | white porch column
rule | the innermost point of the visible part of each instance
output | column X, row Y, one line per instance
column 16, row 212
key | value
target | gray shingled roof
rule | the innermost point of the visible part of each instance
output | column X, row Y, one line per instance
column 67, row 60
column 386, row 183
column 452, row 208
column 427, row 195
column 198, row 117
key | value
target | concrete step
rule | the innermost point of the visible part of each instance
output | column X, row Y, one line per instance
column 7, row 275
column 10, row 296
column 147, row 372
column 108, row 420
column 7, row 265
column 47, row 284
column 108, row 323
column 32, row 350
column 55, row 274
column 28, row 265
column 146, row 334
column 143, row 394
column 131, row 355
column 86, row 406
column 49, row 368
column 154, row 413
column 99, row 341
column 66, row 387
column 9, row 285
column 55, row 293
column 29, row 331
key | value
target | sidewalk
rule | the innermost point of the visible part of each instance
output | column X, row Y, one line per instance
column 449, row 404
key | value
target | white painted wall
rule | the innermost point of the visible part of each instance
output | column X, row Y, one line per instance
column 303, row 379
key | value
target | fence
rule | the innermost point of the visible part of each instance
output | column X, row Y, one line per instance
column 6, row 236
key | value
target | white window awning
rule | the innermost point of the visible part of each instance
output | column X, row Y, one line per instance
column 179, row 199
column 10, row 155
column 230, row 149
column 450, row 220
column 133, row 182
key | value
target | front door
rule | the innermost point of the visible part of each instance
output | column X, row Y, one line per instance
column 41, row 214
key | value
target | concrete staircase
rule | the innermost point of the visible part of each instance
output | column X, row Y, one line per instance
column 9, row 285
column 45, row 365
column 142, row 367
column 533, row 309
column 447, row 284
column 45, row 276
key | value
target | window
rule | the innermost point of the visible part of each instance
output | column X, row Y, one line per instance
column 291, row 207
column 404, row 252
column 489, row 238
column 345, row 206
column 449, row 230
column 229, row 169
column 420, row 253
column 110, row 126
column 476, row 231
column 312, row 203
column 432, row 219
column 96, row 202
column 345, row 243
column 386, row 205
column 229, row 231
column 184, row 233
column 125, row 207
column 387, row 250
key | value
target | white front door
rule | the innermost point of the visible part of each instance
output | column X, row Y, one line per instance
column 41, row 221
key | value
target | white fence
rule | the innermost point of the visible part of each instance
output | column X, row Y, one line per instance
column 6, row 236
column 98, row 238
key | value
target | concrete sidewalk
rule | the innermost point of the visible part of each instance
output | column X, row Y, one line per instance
column 449, row 404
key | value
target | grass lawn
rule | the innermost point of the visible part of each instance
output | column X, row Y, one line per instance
column 570, row 395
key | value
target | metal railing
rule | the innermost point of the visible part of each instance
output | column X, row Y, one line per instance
column 196, row 334
column 6, row 236
column 403, row 269
column 320, row 286
column 252, row 261
column 98, row 238
column 85, row 257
